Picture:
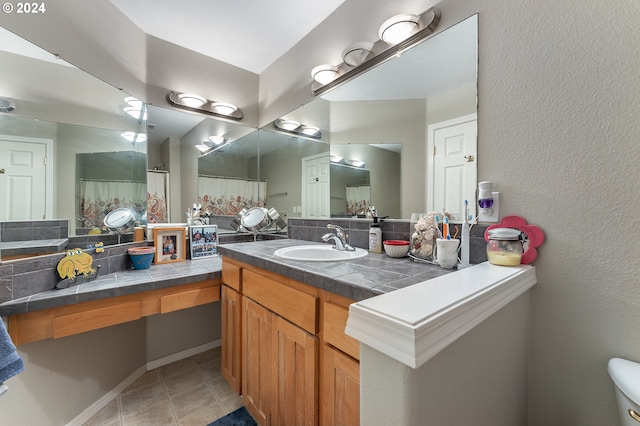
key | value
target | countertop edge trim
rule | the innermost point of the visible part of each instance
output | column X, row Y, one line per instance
column 414, row 344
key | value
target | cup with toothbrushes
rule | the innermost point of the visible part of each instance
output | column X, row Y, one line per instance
column 447, row 252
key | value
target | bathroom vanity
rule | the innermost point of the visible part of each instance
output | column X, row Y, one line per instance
column 327, row 329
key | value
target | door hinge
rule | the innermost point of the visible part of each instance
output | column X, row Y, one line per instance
column 44, row 161
column 434, row 150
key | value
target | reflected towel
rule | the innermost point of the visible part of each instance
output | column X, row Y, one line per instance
column 10, row 362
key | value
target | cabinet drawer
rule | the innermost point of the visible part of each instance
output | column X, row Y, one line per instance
column 334, row 324
column 232, row 275
column 188, row 299
column 79, row 322
column 295, row 305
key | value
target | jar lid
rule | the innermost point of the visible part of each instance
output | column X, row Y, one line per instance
column 504, row 234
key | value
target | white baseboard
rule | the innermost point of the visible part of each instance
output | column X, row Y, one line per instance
column 151, row 365
column 113, row 393
column 107, row 398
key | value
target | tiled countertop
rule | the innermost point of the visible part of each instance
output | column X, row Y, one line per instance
column 118, row 284
column 356, row 279
column 11, row 248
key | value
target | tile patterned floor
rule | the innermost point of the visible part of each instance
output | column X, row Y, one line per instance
column 189, row 392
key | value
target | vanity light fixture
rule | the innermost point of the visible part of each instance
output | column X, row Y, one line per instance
column 6, row 105
column 198, row 103
column 400, row 32
column 136, row 108
column 354, row 163
column 203, row 147
column 336, row 159
column 192, row 100
column 295, row 127
column 288, row 125
column 357, row 53
column 223, row 108
column 312, row 131
column 398, row 28
column 217, row 140
column 325, row 73
column 134, row 137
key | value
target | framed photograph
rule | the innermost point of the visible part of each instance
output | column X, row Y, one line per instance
column 204, row 241
column 170, row 244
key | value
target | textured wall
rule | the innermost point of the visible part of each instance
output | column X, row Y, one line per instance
column 559, row 95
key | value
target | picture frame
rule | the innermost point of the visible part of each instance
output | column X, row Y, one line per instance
column 203, row 241
column 170, row 244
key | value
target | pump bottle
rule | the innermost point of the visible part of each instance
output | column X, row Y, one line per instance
column 375, row 236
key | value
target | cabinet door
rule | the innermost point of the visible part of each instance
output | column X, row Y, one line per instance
column 295, row 381
column 231, row 337
column 340, row 388
column 256, row 360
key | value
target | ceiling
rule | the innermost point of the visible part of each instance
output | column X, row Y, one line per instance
column 246, row 33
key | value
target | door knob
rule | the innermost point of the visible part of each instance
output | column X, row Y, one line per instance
column 469, row 158
column 1, row 171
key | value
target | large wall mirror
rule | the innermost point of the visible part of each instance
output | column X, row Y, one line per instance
column 400, row 137
column 68, row 148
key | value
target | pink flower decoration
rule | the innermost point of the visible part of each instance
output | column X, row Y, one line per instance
column 535, row 236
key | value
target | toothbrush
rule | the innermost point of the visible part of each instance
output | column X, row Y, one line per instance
column 437, row 219
column 445, row 228
column 464, row 248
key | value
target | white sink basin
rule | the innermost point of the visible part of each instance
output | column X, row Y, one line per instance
column 319, row 253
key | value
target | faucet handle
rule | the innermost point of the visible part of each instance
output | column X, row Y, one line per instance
column 340, row 232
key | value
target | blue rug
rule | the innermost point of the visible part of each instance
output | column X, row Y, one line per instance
column 240, row 417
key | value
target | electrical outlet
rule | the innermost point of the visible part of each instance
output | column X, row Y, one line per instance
column 494, row 216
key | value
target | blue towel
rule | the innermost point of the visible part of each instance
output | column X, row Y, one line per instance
column 10, row 362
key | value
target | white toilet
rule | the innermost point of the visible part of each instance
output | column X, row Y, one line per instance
column 626, row 377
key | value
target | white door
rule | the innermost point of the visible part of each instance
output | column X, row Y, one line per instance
column 453, row 145
column 23, row 189
column 315, row 186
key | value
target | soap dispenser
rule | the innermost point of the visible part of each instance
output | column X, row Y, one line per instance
column 375, row 234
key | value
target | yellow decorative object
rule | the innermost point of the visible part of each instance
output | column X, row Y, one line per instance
column 100, row 247
column 75, row 262
column 95, row 231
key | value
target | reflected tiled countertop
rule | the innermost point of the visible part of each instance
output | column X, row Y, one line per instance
column 356, row 279
column 118, row 284
column 11, row 248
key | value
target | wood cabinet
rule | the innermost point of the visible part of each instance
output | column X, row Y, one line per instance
column 295, row 375
column 231, row 345
column 256, row 360
column 340, row 388
column 297, row 365
column 231, row 324
column 86, row 316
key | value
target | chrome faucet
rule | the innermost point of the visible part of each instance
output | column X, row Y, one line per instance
column 339, row 237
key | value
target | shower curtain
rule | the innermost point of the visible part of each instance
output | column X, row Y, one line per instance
column 223, row 196
column 358, row 199
column 98, row 198
column 157, row 197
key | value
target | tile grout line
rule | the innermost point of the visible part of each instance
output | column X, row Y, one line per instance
column 166, row 392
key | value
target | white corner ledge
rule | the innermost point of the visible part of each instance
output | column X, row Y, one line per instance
column 413, row 324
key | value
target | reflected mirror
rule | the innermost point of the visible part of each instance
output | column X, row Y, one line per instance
column 413, row 118
column 68, row 149
column 201, row 160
